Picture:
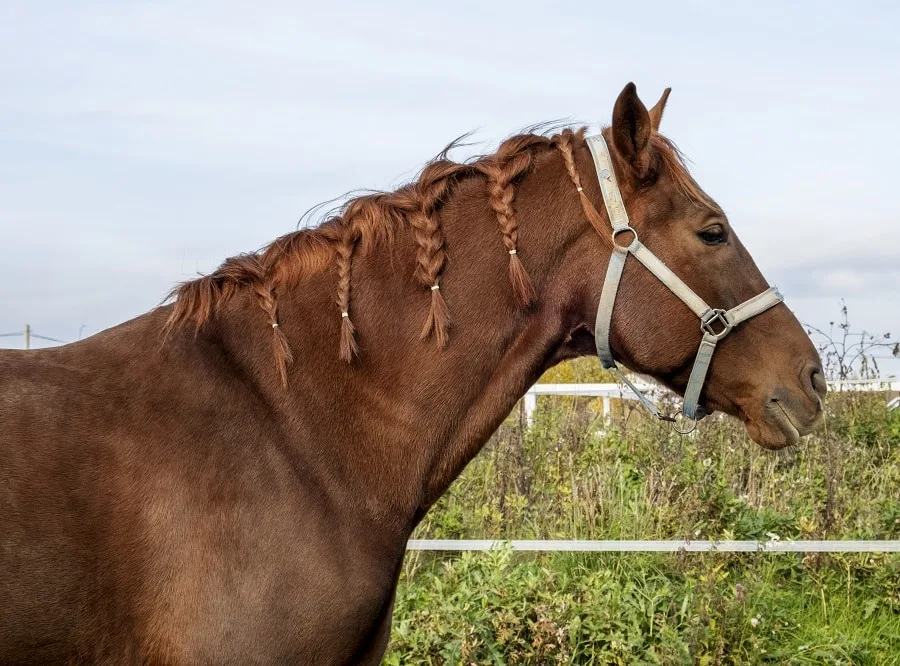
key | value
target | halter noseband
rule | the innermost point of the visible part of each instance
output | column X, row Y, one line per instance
column 715, row 323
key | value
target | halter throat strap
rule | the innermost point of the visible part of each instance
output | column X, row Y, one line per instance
column 715, row 323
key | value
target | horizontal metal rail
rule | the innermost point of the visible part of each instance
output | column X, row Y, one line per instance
column 621, row 546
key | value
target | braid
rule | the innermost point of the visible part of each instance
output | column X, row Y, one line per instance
column 201, row 298
column 564, row 144
column 265, row 295
column 501, row 172
column 248, row 269
column 430, row 255
column 345, row 249
column 368, row 220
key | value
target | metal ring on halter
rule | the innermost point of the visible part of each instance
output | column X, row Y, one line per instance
column 620, row 230
column 716, row 316
column 681, row 418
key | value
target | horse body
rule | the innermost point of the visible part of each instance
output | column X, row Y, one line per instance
column 171, row 506
column 123, row 539
column 169, row 494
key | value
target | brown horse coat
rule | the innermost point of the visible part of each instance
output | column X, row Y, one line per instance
column 233, row 478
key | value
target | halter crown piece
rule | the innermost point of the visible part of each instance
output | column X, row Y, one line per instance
column 715, row 323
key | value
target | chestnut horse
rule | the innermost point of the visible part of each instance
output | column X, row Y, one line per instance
column 232, row 478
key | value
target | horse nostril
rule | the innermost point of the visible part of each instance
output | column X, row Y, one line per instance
column 814, row 379
column 818, row 381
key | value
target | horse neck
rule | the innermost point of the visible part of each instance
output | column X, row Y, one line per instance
column 400, row 422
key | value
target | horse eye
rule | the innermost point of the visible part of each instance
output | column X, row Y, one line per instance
column 713, row 236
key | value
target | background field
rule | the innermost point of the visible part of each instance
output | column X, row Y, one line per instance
column 570, row 475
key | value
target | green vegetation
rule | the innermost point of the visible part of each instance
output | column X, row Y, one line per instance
column 571, row 475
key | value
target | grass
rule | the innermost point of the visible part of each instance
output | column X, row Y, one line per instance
column 571, row 475
column 501, row 607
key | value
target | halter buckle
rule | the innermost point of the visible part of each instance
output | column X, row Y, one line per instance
column 713, row 318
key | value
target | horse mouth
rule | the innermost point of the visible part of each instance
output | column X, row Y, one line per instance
column 785, row 423
column 780, row 428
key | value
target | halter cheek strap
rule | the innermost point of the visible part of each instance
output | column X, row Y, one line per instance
column 715, row 323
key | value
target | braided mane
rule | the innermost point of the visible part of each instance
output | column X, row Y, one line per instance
column 366, row 220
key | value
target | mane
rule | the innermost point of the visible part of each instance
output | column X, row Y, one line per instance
column 372, row 219
column 675, row 163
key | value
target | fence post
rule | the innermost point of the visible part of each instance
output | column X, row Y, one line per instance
column 27, row 336
column 530, row 402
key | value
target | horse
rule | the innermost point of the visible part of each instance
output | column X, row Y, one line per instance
column 233, row 476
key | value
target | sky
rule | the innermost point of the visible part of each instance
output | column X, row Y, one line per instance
column 141, row 143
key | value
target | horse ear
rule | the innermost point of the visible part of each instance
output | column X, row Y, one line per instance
column 656, row 112
column 631, row 130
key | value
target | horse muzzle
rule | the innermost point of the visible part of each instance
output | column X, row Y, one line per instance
column 791, row 412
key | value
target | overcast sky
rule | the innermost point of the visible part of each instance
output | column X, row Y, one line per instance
column 142, row 142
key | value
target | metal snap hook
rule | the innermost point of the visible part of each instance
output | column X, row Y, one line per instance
column 678, row 424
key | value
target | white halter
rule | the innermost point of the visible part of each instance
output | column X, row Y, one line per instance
column 715, row 323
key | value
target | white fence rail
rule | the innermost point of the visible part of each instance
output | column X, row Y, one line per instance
column 609, row 392
column 576, row 546
column 616, row 391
